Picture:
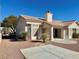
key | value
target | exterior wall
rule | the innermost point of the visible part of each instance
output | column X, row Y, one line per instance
column 20, row 26
column 73, row 25
column 34, row 30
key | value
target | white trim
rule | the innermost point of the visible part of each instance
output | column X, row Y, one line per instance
column 32, row 23
column 52, row 33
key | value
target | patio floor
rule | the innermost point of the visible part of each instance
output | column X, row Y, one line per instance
column 11, row 50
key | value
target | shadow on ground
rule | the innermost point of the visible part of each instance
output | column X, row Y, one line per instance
column 36, row 41
column 11, row 38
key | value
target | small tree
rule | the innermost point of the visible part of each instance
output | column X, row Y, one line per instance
column 44, row 37
column 24, row 35
column 10, row 22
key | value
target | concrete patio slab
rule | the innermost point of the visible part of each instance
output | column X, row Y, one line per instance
column 49, row 52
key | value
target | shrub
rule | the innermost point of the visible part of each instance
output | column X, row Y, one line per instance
column 44, row 37
column 75, row 35
column 24, row 35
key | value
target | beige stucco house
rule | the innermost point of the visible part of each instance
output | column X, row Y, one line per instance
column 37, row 26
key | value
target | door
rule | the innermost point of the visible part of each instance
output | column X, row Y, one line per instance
column 57, row 33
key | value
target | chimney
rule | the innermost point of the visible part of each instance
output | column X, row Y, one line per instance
column 48, row 16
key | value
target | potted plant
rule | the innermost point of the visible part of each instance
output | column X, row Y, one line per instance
column 44, row 37
column 24, row 35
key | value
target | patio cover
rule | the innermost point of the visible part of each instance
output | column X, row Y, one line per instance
column 71, row 24
column 49, row 52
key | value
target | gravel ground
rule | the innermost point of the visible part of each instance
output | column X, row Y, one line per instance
column 11, row 50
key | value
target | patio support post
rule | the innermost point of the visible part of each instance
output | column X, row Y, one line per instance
column 25, row 28
column 31, row 33
column 70, row 33
column 52, row 33
column 63, row 34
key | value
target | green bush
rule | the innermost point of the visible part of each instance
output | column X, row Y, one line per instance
column 24, row 35
column 75, row 35
column 44, row 37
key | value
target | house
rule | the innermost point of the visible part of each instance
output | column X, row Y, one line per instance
column 37, row 26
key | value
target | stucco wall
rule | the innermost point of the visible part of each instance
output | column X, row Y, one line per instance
column 73, row 25
column 48, row 17
column 20, row 25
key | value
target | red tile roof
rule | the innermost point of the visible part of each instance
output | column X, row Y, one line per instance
column 31, row 19
column 54, row 23
column 65, row 24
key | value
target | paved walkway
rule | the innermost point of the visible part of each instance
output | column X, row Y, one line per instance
column 49, row 52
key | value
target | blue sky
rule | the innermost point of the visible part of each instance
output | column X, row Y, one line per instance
column 62, row 9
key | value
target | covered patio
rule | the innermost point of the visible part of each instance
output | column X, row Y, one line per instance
column 69, row 29
column 65, row 32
